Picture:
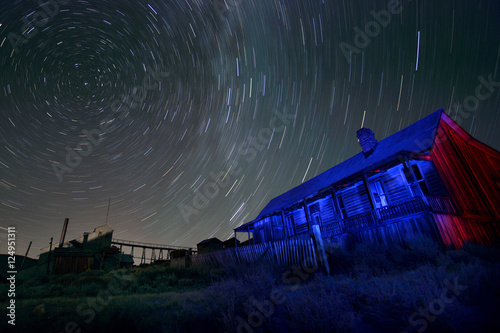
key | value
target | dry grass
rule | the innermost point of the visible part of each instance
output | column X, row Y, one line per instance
column 371, row 290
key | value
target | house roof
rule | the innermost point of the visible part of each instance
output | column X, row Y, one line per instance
column 230, row 241
column 210, row 240
column 415, row 138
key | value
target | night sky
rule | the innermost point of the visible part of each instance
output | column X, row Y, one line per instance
column 191, row 115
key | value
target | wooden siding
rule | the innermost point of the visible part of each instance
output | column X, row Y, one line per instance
column 258, row 232
column 277, row 227
column 298, row 252
column 268, row 228
column 68, row 264
column 456, row 230
column 326, row 209
column 432, row 178
column 470, row 171
column 356, row 199
column 446, row 229
column 300, row 221
column 392, row 233
column 395, row 185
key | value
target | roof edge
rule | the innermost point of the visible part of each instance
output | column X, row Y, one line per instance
column 468, row 137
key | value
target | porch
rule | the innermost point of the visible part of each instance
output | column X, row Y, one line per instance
column 386, row 214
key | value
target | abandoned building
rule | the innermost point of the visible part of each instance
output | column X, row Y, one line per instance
column 89, row 252
column 431, row 177
column 209, row 245
column 231, row 242
column 180, row 258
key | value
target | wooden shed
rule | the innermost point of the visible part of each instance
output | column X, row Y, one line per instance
column 180, row 258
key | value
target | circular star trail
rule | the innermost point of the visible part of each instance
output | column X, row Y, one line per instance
column 191, row 115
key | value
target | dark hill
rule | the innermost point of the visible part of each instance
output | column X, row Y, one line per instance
column 19, row 260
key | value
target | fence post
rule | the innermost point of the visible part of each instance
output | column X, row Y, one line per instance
column 237, row 255
column 320, row 248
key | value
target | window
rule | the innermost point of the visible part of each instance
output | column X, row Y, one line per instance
column 314, row 208
column 420, row 180
column 410, row 181
column 314, row 212
column 343, row 210
column 379, row 194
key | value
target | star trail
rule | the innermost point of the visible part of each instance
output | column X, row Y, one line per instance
column 191, row 115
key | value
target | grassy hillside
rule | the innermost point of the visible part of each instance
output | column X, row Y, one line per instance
column 19, row 260
column 419, row 288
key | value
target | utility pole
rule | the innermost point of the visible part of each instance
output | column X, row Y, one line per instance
column 63, row 233
column 48, row 258
column 24, row 259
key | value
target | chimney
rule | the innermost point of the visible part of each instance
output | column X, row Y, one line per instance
column 85, row 237
column 367, row 140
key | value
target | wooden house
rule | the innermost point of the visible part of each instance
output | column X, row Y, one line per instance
column 431, row 177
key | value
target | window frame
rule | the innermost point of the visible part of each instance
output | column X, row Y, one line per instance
column 374, row 190
column 315, row 214
column 290, row 224
column 416, row 182
column 342, row 208
column 423, row 180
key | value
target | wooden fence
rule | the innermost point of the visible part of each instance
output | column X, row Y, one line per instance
column 288, row 252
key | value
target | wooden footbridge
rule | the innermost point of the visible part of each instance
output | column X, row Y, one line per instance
column 151, row 252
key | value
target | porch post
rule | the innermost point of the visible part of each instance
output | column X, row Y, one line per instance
column 369, row 191
column 284, row 224
column 335, row 203
column 320, row 248
column 271, row 227
column 370, row 196
column 306, row 213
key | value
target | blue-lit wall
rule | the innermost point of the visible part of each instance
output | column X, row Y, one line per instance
column 356, row 200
